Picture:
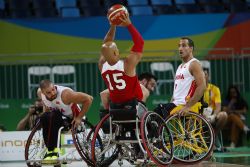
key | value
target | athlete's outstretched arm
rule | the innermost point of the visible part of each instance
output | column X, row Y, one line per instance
column 69, row 96
column 109, row 37
column 136, row 51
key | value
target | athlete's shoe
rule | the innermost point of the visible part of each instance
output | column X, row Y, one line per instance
column 48, row 155
column 55, row 153
column 51, row 156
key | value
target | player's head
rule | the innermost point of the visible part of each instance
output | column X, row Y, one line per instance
column 185, row 47
column 110, row 52
column 148, row 80
column 48, row 89
column 206, row 73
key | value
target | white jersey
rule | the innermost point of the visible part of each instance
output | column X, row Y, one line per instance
column 184, row 85
column 57, row 103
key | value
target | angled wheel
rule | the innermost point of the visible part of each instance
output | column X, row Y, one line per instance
column 193, row 137
column 105, row 155
column 82, row 137
column 35, row 147
column 157, row 139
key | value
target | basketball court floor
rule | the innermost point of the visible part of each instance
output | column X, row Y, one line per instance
column 237, row 158
column 115, row 164
column 225, row 162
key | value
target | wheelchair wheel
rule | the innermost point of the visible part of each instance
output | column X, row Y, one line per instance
column 193, row 137
column 35, row 147
column 157, row 139
column 109, row 152
column 82, row 137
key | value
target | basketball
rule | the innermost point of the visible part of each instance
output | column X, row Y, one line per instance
column 115, row 12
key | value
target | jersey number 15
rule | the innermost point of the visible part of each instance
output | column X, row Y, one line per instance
column 119, row 82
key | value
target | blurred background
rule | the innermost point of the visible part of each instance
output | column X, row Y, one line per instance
column 60, row 40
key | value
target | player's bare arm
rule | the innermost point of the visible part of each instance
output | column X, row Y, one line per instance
column 196, row 70
column 131, row 62
column 101, row 61
column 39, row 95
column 108, row 38
column 69, row 96
column 105, row 98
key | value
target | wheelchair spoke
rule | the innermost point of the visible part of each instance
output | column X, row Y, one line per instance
column 193, row 137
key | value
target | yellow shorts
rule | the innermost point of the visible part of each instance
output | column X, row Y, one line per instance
column 195, row 108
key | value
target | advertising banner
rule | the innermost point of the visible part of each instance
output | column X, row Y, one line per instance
column 12, row 145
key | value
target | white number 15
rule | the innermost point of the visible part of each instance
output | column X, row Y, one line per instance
column 119, row 82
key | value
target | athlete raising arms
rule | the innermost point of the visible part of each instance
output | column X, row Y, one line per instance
column 120, row 75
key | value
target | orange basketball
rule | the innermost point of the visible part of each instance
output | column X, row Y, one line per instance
column 115, row 12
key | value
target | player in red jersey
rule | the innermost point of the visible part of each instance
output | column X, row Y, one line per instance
column 147, row 82
column 120, row 75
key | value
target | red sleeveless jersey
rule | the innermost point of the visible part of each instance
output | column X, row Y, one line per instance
column 122, row 87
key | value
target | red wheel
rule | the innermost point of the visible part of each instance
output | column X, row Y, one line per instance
column 105, row 152
column 35, row 147
column 82, row 137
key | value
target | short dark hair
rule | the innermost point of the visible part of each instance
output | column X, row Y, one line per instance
column 190, row 42
column 147, row 76
column 45, row 83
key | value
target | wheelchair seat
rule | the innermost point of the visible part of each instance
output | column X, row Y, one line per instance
column 123, row 111
column 125, row 115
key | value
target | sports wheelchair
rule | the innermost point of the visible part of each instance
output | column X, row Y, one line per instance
column 129, row 132
column 193, row 135
column 35, row 148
